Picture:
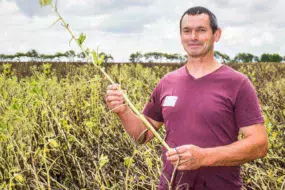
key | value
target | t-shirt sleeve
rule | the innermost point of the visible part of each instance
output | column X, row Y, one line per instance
column 153, row 107
column 247, row 110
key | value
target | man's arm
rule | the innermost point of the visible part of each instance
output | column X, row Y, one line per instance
column 136, row 128
column 252, row 146
column 131, row 122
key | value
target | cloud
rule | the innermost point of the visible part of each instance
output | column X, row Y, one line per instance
column 122, row 27
column 31, row 8
column 130, row 20
column 80, row 7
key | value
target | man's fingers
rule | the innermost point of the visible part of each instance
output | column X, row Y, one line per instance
column 181, row 157
column 114, row 93
column 188, row 163
column 182, row 162
column 116, row 103
column 171, row 152
column 184, row 148
column 178, row 150
column 113, row 87
column 114, row 98
column 173, row 158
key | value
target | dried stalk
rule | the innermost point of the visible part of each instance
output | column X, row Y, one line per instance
column 145, row 121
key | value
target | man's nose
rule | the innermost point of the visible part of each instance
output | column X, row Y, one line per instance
column 194, row 35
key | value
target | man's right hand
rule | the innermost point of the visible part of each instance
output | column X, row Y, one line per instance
column 114, row 98
column 131, row 122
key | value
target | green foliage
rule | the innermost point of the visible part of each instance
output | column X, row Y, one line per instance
column 136, row 57
column 103, row 160
column 7, row 69
column 245, row 58
column 151, row 57
column 224, row 57
column 45, row 2
column 98, row 58
column 70, row 55
column 46, row 68
column 107, row 57
column 81, row 39
column 128, row 161
column 266, row 57
column 60, row 129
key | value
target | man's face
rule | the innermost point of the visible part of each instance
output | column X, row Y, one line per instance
column 197, row 37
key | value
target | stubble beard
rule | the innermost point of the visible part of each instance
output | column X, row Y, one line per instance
column 202, row 53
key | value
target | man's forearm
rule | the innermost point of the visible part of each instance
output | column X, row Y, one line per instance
column 237, row 153
column 134, row 126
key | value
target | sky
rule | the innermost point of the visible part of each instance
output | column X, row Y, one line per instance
column 122, row 27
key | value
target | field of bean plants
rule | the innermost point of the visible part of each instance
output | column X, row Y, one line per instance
column 57, row 133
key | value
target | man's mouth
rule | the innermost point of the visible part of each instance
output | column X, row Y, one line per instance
column 194, row 45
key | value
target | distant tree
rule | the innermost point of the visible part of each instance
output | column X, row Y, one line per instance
column 169, row 57
column 244, row 57
column 70, row 55
column 136, row 57
column 224, row 57
column 2, row 57
column 107, row 57
column 5, row 57
column 256, row 59
column 276, row 58
column 266, row 57
column 45, row 57
column 81, row 56
column 19, row 55
column 175, row 57
column 48, row 57
column 154, row 56
column 59, row 55
column 42, row 57
column 182, row 58
column 33, row 54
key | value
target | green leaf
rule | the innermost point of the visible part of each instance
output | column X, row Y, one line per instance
column 103, row 160
column 95, row 57
column 149, row 162
column 128, row 161
column 45, row 2
column 101, row 60
column 81, row 39
column 53, row 143
column 19, row 178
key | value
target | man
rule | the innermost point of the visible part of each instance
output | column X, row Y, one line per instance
column 204, row 105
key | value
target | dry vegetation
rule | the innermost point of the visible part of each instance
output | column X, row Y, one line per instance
column 56, row 132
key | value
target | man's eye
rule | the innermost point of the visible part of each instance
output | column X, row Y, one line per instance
column 202, row 30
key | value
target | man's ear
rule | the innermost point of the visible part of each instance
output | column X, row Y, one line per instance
column 217, row 34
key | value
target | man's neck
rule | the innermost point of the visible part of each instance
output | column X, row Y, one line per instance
column 198, row 67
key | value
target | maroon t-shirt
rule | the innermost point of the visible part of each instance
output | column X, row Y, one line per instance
column 206, row 112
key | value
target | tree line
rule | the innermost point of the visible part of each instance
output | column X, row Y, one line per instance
column 240, row 57
column 33, row 55
column 248, row 57
column 138, row 57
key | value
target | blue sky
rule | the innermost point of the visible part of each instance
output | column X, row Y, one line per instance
column 122, row 27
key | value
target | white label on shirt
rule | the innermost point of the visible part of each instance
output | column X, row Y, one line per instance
column 170, row 101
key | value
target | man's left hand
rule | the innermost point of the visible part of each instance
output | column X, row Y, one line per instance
column 190, row 157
